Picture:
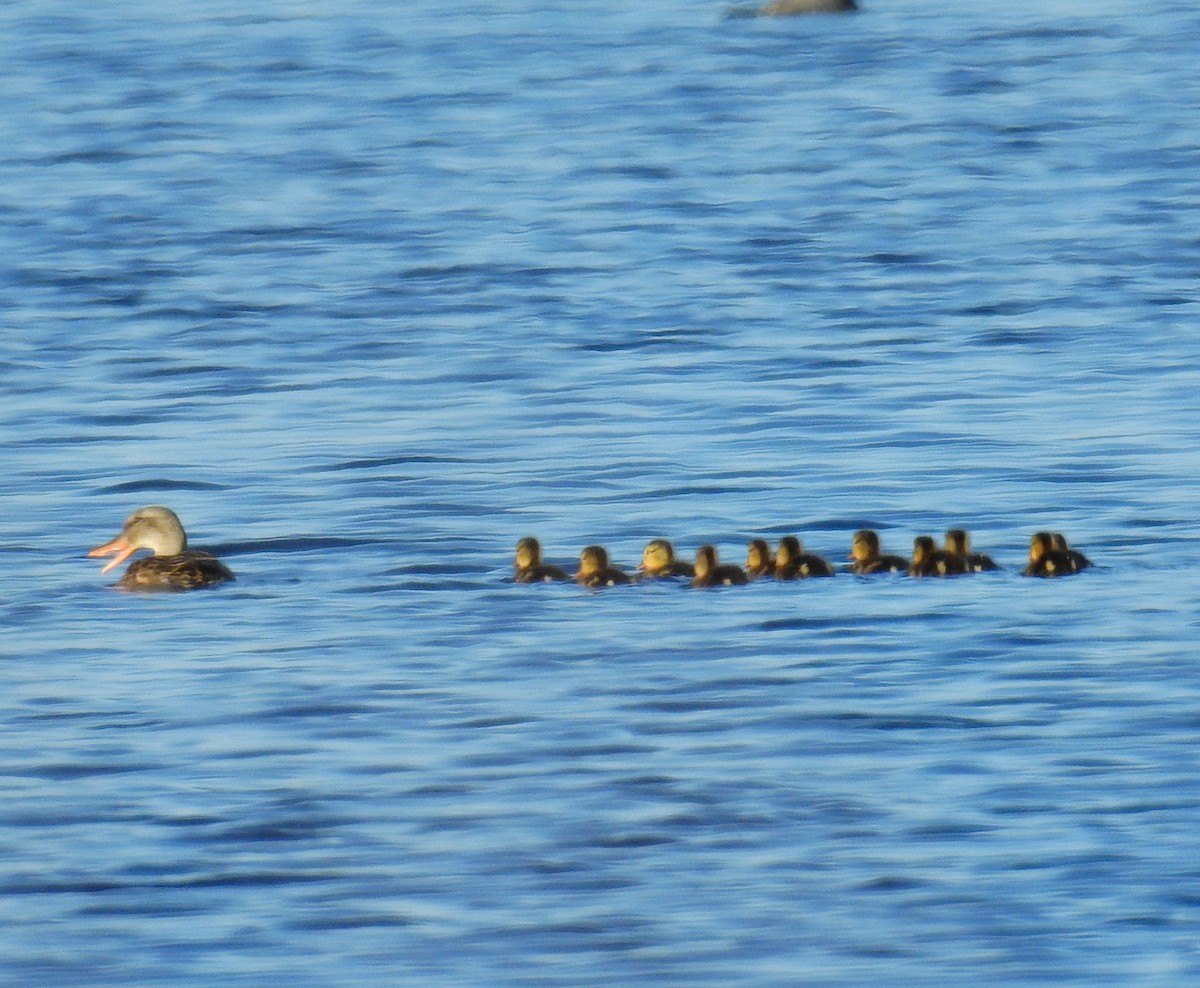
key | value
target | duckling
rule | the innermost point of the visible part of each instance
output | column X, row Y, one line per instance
column 793, row 563
column 711, row 573
column 867, row 558
column 528, row 566
column 929, row 560
column 1045, row 560
column 759, row 561
column 594, row 570
column 1078, row 559
column 958, row 543
column 173, row 566
column 658, row 561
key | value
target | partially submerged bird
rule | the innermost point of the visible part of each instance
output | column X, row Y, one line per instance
column 793, row 563
column 760, row 561
column 867, row 557
column 929, row 560
column 1045, row 560
column 173, row 566
column 1078, row 559
column 710, row 572
column 958, row 542
column 528, row 566
column 658, row 561
column 594, row 570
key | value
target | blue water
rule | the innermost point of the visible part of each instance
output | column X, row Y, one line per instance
column 366, row 292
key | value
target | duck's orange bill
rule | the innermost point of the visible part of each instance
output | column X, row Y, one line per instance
column 118, row 545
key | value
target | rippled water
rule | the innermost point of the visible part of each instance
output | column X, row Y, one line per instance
column 366, row 293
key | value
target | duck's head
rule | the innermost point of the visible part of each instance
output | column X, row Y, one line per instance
column 958, row 542
column 923, row 549
column 706, row 560
column 657, row 556
column 592, row 560
column 155, row 528
column 789, row 551
column 865, row 545
column 529, row 553
column 758, row 554
column 1039, row 545
column 1058, row 542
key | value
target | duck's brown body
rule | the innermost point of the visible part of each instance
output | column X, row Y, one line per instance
column 710, row 572
column 793, row 563
column 958, row 542
column 868, row 558
column 929, row 560
column 173, row 566
column 528, row 566
column 1047, row 561
column 594, row 570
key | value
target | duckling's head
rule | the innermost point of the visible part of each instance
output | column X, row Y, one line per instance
column 706, row 560
column 958, row 542
column 529, row 553
column 865, row 545
column 657, row 556
column 789, row 550
column 758, row 554
column 923, row 548
column 1058, row 542
column 1039, row 545
column 592, row 560
column 154, row 527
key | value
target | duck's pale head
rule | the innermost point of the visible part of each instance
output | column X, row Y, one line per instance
column 154, row 527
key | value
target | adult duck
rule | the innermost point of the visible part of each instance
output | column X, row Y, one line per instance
column 658, row 561
column 791, row 8
column 595, row 571
column 793, row 563
column 867, row 557
column 710, row 572
column 929, row 560
column 173, row 566
column 528, row 566
column 958, row 543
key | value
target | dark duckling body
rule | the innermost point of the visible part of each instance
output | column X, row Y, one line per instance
column 1045, row 560
column 760, row 561
column 659, row 562
column 929, row 560
column 958, row 542
column 595, row 571
column 173, row 566
column 528, row 566
column 710, row 572
column 793, row 563
column 1078, row 559
column 868, row 558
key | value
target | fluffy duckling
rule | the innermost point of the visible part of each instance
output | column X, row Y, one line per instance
column 594, row 570
column 711, row 573
column 1045, row 560
column 793, row 563
column 173, row 566
column 658, row 561
column 929, row 560
column 958, row 543
column 867, row 558
column 1078, row 559
column 528, row 567
column 759, row 560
